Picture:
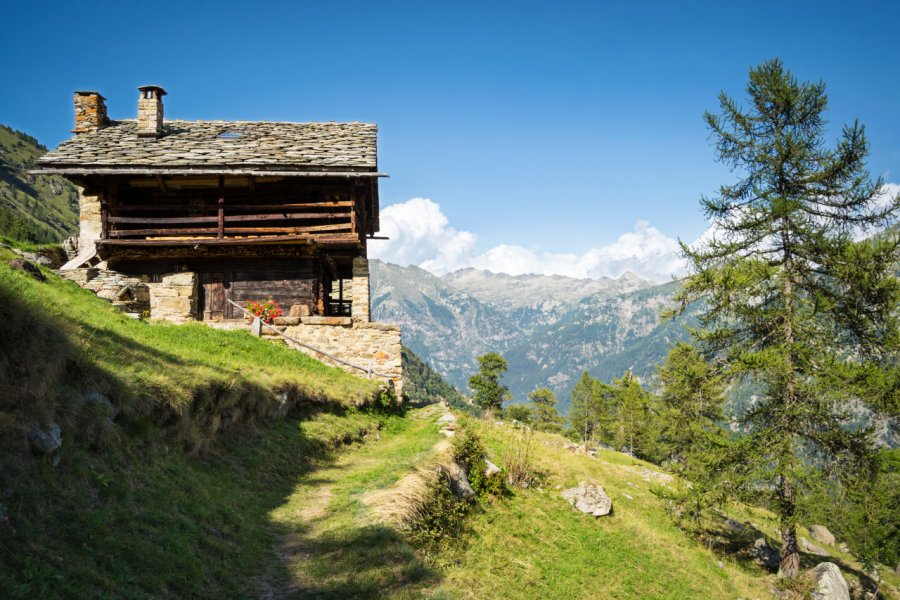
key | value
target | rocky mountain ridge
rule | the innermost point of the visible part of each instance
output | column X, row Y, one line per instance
column 549, row 328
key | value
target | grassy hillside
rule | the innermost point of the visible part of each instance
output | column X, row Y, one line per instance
column 33, row 208
column 163, row 482
column 182, row 482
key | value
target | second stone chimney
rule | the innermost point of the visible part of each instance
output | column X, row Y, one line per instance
column 150, row 111
column 90, row 112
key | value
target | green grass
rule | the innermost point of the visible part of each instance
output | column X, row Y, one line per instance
column 533, row 545
column 147, row 521
column 60, row 342
column 334, row 547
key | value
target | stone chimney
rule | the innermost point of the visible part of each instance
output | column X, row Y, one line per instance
column 90, row 112
column 150, row 111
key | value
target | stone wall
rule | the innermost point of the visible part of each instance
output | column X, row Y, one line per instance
column 89, row 227
column 359, row 291
column 131, row 294
column 174, row 297
column 372, row 345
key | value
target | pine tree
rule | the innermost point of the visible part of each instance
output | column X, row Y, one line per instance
column 489, row 393
column 692, row 438
column 544, row 408
column 692, row 397
column 634, row 426
column 582, row 412
column 791, row 299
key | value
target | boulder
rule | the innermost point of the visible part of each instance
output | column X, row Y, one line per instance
column 20, row 264
column 589, row 499
column 37, row 258
column 821, row 534
column 45, row 440
column 830, row 583
column 735, row 526
column 765, row 555
column 811, row 548
column 102, row 404
column 459, row 481
column 491, row 469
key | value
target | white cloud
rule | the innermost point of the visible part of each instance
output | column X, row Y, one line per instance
column 420, row 234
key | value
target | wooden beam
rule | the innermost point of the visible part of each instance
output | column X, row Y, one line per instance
column 124, row 233
column 221, row 207
column 211, row 207
column 162, row 184
column 228, row 218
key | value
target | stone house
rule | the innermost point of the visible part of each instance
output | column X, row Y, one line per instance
column 191, row 219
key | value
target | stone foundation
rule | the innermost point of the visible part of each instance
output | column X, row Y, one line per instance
column 174, row 298
column 372, row 345
column 359, row 290
column 131, row 294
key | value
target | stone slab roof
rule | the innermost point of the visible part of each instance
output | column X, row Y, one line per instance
column 232, row 145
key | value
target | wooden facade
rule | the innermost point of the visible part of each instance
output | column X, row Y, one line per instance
column 248, row 238
column 254, row 209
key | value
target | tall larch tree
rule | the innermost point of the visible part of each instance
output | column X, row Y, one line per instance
column 792, row 299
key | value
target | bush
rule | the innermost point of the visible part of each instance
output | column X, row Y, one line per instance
column 469, row 453
column 440, row 516
column 518, row 412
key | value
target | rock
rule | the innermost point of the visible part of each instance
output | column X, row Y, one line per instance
column 491, row 469
column 589, row 499
column 627, row 496
column 37, row 258
column 821, row 534
column 811, row 548
column 765, row 555
column 20, row 264
column 447, row 418
column 101, row 403
column 45, row 441
column 649, row 474
column 845, row 548
column 459, row 481
column 830, row 583
column 735, row 526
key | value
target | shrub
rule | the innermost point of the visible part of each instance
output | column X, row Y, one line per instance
column 469, row 453
column 518, row 412
column 440, row 515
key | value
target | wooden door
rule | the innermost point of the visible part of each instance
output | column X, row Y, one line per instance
column 212, row 287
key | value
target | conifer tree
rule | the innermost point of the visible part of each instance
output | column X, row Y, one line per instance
column 544, row 408
column 582, row 411
column 791, row 300
column 634, row 426
column 489, row 393
column 692, row 439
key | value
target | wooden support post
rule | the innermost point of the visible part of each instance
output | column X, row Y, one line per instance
column 104, row 219
column 221, row 207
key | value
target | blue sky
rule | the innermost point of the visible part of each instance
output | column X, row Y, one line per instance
column 548, row 127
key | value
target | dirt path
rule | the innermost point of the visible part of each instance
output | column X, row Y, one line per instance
column 330, row 546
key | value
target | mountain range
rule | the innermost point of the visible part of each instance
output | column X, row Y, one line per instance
column 33, row 208
column 549, row 328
